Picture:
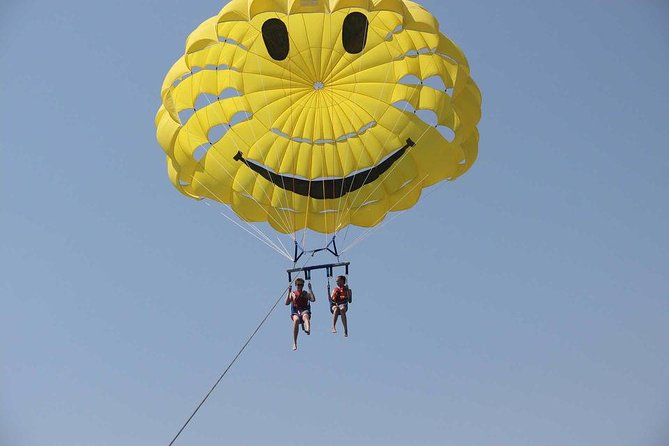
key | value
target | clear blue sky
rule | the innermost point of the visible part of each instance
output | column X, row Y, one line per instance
column 525, row 304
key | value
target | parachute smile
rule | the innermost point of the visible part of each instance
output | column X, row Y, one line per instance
column 327, row 188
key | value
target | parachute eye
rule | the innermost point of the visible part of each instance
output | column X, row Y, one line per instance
column 275, row 35
column 354, row 35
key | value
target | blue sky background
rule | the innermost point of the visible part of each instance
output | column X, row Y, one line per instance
column 524, row 304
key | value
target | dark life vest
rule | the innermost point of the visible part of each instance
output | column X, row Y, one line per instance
column 301, row 300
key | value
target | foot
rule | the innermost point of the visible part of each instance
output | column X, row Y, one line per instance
column 308, row 332
column 346, row 334
column 294, row 347
column 334, row 330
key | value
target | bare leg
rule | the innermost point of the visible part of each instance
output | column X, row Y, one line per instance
column 296, row 327
column 307, row 323
column 335, row 315
column 344, row 322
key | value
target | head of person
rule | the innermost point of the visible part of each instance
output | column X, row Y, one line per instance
column 341, row 280
column 299, row 283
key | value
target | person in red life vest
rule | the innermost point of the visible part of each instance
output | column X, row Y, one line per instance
column 341, row 297
column 300, row 308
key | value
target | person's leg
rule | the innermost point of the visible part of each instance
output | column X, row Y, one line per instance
column 296, row 327
column 306, row 317
column 335, row 315
column 344, row 322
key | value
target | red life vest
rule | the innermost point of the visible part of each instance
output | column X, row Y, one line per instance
column 301, row 300
column 340, row 295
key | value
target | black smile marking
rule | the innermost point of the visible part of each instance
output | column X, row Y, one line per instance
column 324, row 189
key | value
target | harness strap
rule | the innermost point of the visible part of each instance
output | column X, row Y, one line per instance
column 329, row 291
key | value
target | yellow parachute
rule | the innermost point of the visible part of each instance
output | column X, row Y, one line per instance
column 310, row 114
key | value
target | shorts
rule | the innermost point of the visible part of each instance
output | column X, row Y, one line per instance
column 342, row 306
column 299, row 313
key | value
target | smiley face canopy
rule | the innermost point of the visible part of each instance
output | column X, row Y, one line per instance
column 318, row 114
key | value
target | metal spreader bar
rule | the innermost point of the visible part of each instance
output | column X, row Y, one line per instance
column 328, row 267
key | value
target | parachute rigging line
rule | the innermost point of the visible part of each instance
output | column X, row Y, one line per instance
column 265, row 239
column 259, row 235
column 285, row 202
column 378, row 224
column 383, row 217
column 283, row 294
column 348, row 213
column 348, row 197
column 284, row 224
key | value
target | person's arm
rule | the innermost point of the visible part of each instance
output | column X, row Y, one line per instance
column 312, row 296
column 288, row 297
column 349, row 294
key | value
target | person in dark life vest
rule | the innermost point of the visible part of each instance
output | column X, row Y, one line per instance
column 341, row 297
column 300, row 308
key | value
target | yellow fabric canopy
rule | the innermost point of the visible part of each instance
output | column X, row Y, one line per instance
column 301, row 113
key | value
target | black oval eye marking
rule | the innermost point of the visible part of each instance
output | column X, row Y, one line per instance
column 275, row 35
column 354, row 35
